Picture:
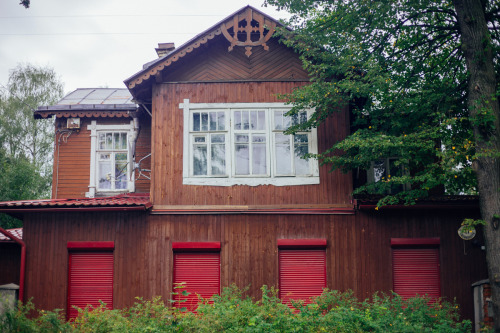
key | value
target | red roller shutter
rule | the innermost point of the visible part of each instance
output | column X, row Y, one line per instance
column 416, row 271
column 90, row 280
column 200, row 273
column 302, row 274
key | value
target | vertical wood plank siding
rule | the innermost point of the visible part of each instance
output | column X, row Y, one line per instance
column 335, row 187
column 358, row 253
column 71, row 171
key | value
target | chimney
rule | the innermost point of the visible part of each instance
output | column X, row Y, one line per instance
column 164, row 48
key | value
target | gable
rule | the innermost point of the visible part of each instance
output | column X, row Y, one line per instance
column 214, row 63
column 238, row 48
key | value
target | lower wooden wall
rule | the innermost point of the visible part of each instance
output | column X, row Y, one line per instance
column 358, row 250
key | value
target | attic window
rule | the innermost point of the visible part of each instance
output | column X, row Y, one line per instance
column 244, row 144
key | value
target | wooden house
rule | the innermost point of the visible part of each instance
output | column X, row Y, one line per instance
column 186, row 176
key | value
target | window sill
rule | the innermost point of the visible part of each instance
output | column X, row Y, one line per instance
column 282, row 181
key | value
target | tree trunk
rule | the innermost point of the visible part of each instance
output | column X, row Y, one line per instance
column 484, row 110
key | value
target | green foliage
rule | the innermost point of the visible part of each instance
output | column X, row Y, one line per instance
column 25, row 143
column 333, row 311
column 399, row 66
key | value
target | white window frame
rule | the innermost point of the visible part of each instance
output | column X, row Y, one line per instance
column 94, row 129
column 230, row 179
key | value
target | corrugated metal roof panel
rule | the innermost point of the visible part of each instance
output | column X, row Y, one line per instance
column 97, row 96
column 17, row 232
column 121, row 200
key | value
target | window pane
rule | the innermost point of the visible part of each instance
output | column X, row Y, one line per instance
column 204, row 121
column 237, row 120
column 283, row 155
column 199, row 139
column 196, row 121
column 102, row 140
column 103, row 157
column 213, row 121
column 302, row 117
column 258, row 138
column 218, row 159
column 244, row 120
column 216, row 138
column 123, row 140
column 242, row 160
column 109, row 141
column 378, row 170
column 261, row 120
column 241, row 138
column 278, row 120
column 104, row 175
column 221, row 126
column 259, row 159
column 301, row 165
column 253, row 119
column 199, row 160
column 116, row 141
column 121, row 171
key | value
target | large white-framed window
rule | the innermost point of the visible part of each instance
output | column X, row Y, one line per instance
column 243, row 144
column 111, row 160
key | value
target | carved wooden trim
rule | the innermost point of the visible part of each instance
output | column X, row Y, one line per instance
column 247, row 17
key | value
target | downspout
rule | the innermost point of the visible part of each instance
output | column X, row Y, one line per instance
column 23, row 261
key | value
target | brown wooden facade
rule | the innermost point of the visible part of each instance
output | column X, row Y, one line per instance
column 358, row 252
column 71, row 171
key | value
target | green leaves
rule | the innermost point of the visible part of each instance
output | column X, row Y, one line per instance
column 26, row 144
column 400, row 68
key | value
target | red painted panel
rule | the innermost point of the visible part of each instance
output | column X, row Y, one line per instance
column 91, row 245
column 302, row 243
column 200, row 273
column 415, row 241
column 302, row 274
column 90, row 280
column 416, row 271
column 196, row 246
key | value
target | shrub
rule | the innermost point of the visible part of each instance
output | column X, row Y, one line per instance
column 231, row 311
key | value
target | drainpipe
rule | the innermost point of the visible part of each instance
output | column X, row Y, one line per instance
column 23, row 261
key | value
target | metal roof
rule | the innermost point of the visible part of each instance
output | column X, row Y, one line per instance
column 17, row 232
column 91, row 102
column 97, row 96
column 126, row 201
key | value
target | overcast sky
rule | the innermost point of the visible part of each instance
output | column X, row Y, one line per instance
column 100, row 43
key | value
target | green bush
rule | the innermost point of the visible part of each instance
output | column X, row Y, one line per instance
column 333, row 311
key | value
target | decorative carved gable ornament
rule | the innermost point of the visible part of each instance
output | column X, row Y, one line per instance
column 246, row 26
column 249, row 24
